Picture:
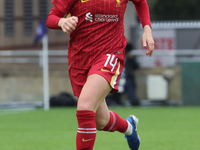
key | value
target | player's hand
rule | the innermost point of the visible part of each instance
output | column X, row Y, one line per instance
column 68, row 24
column 147, row 40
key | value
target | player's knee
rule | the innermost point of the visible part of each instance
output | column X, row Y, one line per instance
column 85, row 105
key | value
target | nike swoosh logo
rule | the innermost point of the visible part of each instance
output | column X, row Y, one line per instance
column 87, row 140
column 104, row 70
column 83, row 1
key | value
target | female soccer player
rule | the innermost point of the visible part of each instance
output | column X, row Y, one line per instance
column 96, row 60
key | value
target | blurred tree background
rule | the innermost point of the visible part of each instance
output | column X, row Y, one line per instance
column 174, row 9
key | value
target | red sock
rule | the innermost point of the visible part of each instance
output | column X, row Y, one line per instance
column 86, row 133
column 116, row 123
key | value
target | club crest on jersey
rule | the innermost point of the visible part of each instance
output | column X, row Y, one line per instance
column 118, row 3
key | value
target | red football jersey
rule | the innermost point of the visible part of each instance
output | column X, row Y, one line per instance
column 100, row 28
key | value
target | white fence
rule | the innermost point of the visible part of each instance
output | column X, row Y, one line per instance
column 10, row 56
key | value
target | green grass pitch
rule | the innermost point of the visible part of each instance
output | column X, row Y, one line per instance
column 160, row 128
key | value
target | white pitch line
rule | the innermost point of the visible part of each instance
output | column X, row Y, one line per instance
column 16, row 111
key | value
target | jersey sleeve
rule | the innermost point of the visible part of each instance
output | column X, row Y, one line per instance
column 63, row 5
column 142, row 9
column 53, row 18
column 60, row 8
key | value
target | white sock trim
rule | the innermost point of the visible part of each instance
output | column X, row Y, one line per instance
column 129, row 129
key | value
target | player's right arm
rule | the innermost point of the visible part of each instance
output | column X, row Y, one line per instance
column 68, row 24
column 55, row 20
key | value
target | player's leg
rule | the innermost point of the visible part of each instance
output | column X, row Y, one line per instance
column 102, row 115
column 93, row 93
column 110, row 121
column 107, row 120
column 110, row 66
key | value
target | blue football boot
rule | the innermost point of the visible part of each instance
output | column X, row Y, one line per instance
column 133, row 140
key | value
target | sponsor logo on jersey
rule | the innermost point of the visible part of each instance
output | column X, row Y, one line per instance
column 106, row 18
column 101, row 17
column 118, row 3
column 83, row 1
column 89, row 17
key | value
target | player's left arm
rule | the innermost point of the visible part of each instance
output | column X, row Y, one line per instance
column 147, row 40
column 142, row 9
